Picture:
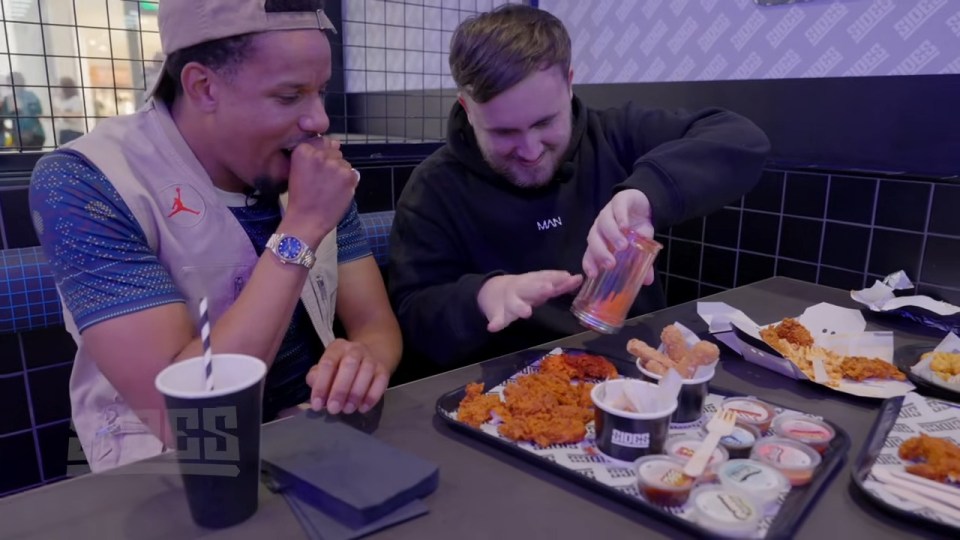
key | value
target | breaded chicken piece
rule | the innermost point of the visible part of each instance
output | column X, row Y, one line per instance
column 475, row 408
column 579, row 366
column 940, row 458
column 860, row 368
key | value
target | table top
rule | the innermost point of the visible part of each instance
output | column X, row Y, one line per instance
column 487, row 493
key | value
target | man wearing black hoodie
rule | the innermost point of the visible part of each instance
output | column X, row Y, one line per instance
column 531, row 179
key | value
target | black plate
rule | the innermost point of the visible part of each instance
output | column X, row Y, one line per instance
column 889, row 412
column 794, row 507
column 905, row 357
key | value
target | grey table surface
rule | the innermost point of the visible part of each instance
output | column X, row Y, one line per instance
column 484, row 492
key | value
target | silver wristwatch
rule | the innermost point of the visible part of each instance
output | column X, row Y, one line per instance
column 290, row 249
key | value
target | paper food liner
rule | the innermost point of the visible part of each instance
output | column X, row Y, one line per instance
column 922, row 309
column 632, row 395
column 917, row 415
column 922, row 369
column 691, row 339
column 834, row 328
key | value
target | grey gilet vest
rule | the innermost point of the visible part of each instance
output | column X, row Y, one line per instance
column 199, row 242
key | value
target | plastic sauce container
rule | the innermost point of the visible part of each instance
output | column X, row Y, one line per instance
column 739, row 443
column 758, row 481
column 810, row 431
column 684, row 446
column 725, row 511
column 751, row 411
column 662, row 481
column 795, row 460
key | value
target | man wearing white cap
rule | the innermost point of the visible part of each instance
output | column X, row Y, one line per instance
column 221, row 186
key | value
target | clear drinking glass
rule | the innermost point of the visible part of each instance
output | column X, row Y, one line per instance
column 604, row 301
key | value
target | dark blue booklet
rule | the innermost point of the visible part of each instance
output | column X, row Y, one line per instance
column 349, row 475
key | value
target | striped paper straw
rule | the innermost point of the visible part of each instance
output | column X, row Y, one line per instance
column 207, row 353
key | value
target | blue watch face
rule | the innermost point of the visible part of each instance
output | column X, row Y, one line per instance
column 289, row 247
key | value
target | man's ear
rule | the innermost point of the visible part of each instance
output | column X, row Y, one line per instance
column 200, row 86
column 570, row 82
column 462, row 100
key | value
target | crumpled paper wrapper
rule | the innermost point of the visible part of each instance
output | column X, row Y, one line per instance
column 837, row 329
column 922, row 369
column 881, row 298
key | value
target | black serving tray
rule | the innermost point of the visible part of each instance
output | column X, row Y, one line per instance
column 874, row 444
column 784, row 525
column 905, row 357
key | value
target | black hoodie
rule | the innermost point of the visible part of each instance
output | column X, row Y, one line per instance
column 459, row 223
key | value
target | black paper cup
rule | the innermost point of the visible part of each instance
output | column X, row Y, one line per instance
column 692, row 396
column 626, row 435
column 217, row 435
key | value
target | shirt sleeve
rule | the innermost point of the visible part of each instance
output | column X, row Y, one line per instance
column 352, row 241
column 99, row 254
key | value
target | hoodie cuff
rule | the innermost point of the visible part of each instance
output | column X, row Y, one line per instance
column 659, row 190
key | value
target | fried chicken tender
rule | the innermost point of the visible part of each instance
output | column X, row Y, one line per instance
column 678, row 355
column 939, row 457
column 475, row 408
column 579, row 366
column 788, row 338
column 860, row 368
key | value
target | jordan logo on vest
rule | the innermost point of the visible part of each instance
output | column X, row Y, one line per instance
column 178, row 206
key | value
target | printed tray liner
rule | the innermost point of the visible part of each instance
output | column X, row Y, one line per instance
column 900, row 419
column 588, row 465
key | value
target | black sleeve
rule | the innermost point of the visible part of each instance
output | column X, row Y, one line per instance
column 687, row 165
column 432, row 292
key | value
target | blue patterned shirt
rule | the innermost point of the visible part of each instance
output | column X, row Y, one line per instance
column 104, row 267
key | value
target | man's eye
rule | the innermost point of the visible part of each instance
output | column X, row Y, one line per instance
column 289, row 98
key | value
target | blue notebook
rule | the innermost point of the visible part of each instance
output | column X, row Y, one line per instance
column 348, row 475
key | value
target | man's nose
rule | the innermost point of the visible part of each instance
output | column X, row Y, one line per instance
column 316, row 120
column 530, row 147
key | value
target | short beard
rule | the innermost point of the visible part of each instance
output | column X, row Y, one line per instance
column 266, row 189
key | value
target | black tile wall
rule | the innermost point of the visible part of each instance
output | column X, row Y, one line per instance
column 374, row 192
column 796, row 269
column 852, row 199
column 54, row 385
column 680, row 290
column 719, row 266
column 760, row 232
column 841, row 279
column 768, row 193
column 753, row 268
column 805, row 195
column 685, row 258
column 903, row 205
column 838, row 229
column 944, row 218
column 800, row 238
column 688, row 230
column 20, row 451
column 941, row 263
column 895, row 250
column 14, row 404
column 723, row 228
column 17, row 226
column 54, row 441
column 845, row 246
column 400, row 177
column 9, row 354
column 47, row 347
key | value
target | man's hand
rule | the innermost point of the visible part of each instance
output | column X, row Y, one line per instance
column 504, row 299
column 627, row 210
column 347, row 379
column 322, row 184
